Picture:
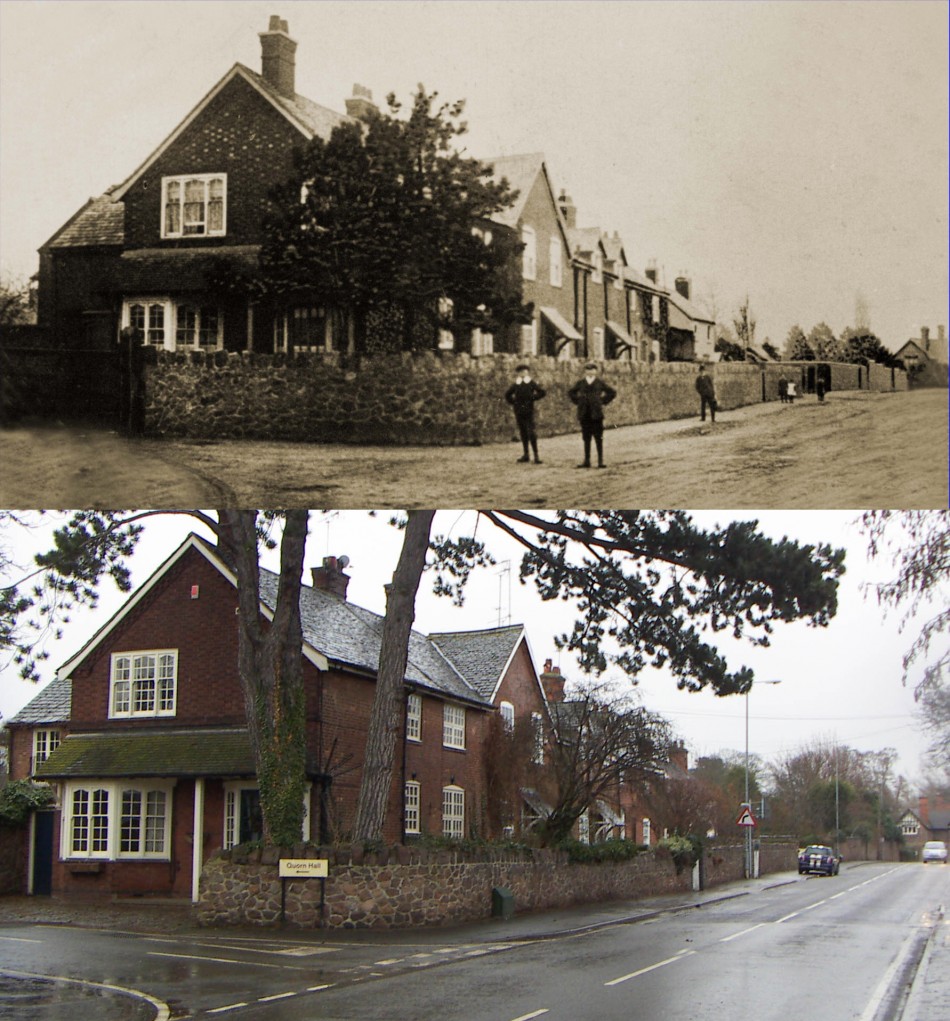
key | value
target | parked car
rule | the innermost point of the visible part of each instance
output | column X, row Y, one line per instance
column 934, row 850
column 818, row 858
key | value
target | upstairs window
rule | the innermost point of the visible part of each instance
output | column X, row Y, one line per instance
column 529, row 255
column 194, row 205
column 414, row 718
column 143, row 684
column 554, row 262
column 453, row 812
column 412, row 802
column 453, row 726
column 507, row 711
column 45, row 742
column 598, row 274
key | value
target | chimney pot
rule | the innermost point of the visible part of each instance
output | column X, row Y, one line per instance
column 278, row 64
column 330, row 578
column 568, row 209
column 361, row 106
column 552, row 682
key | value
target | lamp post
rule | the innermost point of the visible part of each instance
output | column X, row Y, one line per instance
column 748, row 829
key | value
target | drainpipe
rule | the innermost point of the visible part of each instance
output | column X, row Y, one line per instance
column 197, row 842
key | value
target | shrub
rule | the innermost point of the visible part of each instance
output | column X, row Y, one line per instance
column 609, row 850
column 20, row 797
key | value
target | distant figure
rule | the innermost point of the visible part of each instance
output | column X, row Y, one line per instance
column 707, row 394
column 522, row 396
column 783, row 388
column 820, row 388
column 591, row 395
column 792, row 392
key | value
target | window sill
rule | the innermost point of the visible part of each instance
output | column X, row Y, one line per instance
column 84, row 868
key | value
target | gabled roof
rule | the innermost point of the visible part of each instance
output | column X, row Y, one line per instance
column 586, row 239
column 52, row 705
column 521, row 172
column 688, row 308
column 101, row 221
column 482, row 656
column 632, row 276
column 307, row 117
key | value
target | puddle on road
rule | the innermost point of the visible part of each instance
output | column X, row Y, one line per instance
column 33, row 999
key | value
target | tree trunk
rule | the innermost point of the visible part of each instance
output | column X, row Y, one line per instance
column 386, row 719
column 271, row 670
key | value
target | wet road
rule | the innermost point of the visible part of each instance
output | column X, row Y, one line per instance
column 841, row 947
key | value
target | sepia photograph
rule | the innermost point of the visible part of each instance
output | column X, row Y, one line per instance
column 349, row 253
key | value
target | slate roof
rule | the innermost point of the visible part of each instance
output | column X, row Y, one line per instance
column 52, row 705
column 152, row 753
column 101, row 221
column 688, row 308
column 319, row 120
column 520, row 172
column 480, row 656
column 351, row 636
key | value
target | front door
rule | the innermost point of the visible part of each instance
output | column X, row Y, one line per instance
column 43, row 854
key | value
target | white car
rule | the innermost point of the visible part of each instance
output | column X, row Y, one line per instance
column 934, row 850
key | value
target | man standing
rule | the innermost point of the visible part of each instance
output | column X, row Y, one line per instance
column 707, row 394
column 591, row 395
column 522, row 395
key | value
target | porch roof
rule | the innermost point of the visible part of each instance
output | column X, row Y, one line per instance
column 620, row 333
column 157, row 269
column 559, row 323
column 151, row 753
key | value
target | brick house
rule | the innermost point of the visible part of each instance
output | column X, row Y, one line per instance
column 143, row 731
column 140, row 253
column 926, row 822
column 925, row 358
column 692, row 332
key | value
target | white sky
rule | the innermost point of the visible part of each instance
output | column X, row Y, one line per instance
column 793, row 151
column 842, row 682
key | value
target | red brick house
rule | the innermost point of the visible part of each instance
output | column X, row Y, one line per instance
column 143, row 732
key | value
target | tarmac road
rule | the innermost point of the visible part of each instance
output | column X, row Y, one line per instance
column 856, row 450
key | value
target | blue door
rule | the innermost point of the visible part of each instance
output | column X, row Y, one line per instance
column 43, row 854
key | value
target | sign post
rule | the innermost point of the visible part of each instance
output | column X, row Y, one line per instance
column 303, row 868
column 747, row 819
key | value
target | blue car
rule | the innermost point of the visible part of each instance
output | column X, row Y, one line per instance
column 818, row 858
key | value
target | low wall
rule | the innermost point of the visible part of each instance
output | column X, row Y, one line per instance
column 13, row 857
column 425, row 398
column 411, row 887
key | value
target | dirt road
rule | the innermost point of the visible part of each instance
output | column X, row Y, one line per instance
column 856, row 450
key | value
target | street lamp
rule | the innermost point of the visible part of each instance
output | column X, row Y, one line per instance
column 748, row 829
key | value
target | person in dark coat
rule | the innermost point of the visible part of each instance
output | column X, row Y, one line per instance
column 522, row 395
column 707, row 394
column 591, row 395
column 783, row 389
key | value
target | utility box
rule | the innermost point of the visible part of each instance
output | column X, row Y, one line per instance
column 502, row 902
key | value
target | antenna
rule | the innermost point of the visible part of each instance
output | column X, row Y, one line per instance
column 505, row 571
column 328, row 517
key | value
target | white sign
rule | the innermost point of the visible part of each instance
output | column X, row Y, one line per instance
column 746, row 818
column 305, row 868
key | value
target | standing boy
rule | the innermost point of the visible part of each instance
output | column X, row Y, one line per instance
column 522, row 395
column 707, row 394
column 591, row 394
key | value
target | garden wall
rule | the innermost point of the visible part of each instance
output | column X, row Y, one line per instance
column 408, row 887
column 13, row 853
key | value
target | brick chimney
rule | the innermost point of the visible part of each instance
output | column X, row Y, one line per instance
column 361, row 106
column 682, row 286
column 651, row 272
column 277, row 57
column 925, row 337
column 924, row 810
column 552, row 682
column 330, row 577
column 568, row 209
column 679, row 756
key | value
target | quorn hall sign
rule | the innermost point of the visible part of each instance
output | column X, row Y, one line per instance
column 303, row 868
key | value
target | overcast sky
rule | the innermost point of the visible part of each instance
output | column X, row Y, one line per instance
column 796, row 152
column 839, row 683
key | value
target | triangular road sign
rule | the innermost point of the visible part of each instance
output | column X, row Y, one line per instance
column 746, row 818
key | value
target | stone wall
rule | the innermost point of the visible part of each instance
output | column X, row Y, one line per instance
column 405, row 887
column 13, row 857
column 427, row 398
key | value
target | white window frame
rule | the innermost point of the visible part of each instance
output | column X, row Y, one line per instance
column 205, row 231
column 482, row 343
column 169, row 329
column 598, row 342
column 453, row 812
column 414, row 718
column 122, row 684
column 232, row 817
column 597, row 276
column 555, row 263
column 647, row 829
column 529, row 338
column 45, row 742
column 412, row 798
column 507, row 712
column 529, row 255
column 106, row 845
column 453, row 726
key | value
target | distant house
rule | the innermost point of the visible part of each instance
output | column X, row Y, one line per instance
column 926, row 358
column 925, row 822
column 143, row 731
column 692, row 331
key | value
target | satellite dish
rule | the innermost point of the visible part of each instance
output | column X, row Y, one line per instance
column 343, row 562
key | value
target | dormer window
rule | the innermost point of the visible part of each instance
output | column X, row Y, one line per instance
column 529, row 255
column 194, row 205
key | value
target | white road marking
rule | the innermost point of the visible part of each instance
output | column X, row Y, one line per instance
column 20, row 939
column 528, row 1017
column 736, row 935
column 681, row 956
column 870, row 1011
column 317, row 989
column 230, row 1006
column 275, row 996
column 214, row 960
column 794, row 914
column 162, row 1012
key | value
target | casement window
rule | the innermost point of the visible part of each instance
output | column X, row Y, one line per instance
column 453, row 812
column 482, row 343
column 598, row 342
column 116, row 820
column 910, row 827
column 412, row 799
column 45, row 742
column 194, row 205
column 529, row 254
column 646, row 832
column 583, row 827
column 162, row 322
column 243, row 820
column 554, row 262
column 507, row 712
column 529, row 338
column 453, row 726
column 414, row 718
column 537, row 723
column 143, row 683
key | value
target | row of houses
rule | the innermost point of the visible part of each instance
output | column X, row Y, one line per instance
column 139, row 255
column 143, row 736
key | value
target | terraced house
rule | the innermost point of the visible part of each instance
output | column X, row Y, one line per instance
column 146, row 253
